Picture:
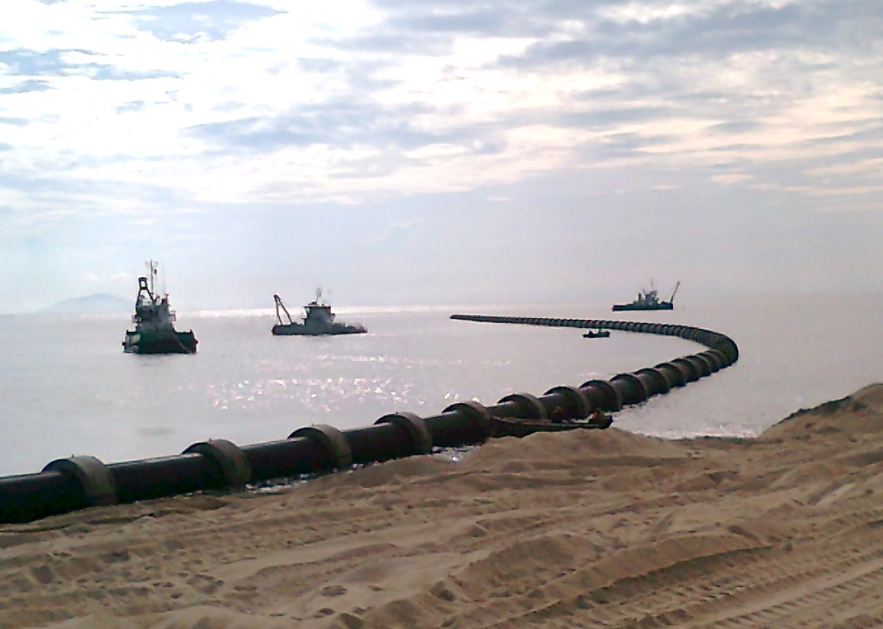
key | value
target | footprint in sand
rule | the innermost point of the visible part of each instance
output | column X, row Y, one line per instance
column 43, row 574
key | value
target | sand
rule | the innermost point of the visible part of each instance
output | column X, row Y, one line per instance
column 577, row 529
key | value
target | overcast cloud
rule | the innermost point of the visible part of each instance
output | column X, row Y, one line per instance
column 440, row 152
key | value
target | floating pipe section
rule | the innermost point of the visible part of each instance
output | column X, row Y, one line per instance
column 80, row 482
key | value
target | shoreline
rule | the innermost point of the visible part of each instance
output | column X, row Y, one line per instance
column 577, row 529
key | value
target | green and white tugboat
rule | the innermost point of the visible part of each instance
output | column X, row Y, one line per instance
column 154, row 321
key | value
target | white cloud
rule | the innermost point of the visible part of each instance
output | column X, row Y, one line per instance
column 153, row 114
column 135, row 129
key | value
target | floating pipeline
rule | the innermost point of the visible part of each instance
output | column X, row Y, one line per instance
column 80, row 482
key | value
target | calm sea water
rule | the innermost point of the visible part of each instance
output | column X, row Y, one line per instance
column 67, row 388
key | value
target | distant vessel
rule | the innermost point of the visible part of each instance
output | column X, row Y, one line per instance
column 318, row 321
column 649, row 300
column 599, row 334
column 154, row 331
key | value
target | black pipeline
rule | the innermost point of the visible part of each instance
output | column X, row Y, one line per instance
column 84, row 481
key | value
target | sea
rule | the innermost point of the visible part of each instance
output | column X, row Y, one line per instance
column 67, row 388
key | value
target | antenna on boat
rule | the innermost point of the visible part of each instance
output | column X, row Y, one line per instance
column 151, row 276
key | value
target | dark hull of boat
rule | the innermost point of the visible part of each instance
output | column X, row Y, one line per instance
column 153, row 343
column 665, row 305
column 511, row 427
column 297, row 329
column 596, row 335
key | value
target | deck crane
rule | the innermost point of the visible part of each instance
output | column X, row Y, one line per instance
column 671, row 299
column 279, row 305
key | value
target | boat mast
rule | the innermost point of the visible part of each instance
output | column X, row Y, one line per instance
column 163, row 282
column 151, row 275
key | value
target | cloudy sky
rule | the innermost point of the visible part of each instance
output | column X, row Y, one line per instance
column 459, row 151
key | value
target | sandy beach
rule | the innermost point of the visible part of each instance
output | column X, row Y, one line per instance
column 577, row 529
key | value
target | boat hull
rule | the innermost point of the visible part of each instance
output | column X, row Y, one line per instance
column 297, row 329
column 660, row 306
column 514, row 427
column 155, row 343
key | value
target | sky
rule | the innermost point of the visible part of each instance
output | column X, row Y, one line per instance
column 450, row 152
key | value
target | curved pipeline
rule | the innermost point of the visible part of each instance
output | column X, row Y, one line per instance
column 83, row 481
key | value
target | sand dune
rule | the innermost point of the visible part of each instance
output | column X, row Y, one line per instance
column 578, row 529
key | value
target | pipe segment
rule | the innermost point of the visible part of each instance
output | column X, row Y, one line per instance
column 32, row 496
column 166, row 476
column 286, row 458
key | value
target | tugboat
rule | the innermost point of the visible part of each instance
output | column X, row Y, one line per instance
column 649, row 300
column 154, row 331
column 318, row 321
column 599, row 334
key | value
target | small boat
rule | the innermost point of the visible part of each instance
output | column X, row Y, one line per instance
column 318, row 320
column 597, row 334
column 154, row 321
column 516, row 427
column 649, row 300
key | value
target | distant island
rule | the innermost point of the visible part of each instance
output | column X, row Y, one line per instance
column 101, row 303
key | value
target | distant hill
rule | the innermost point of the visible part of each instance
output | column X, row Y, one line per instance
column 91, row 304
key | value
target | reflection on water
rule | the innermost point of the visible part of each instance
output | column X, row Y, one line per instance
column 70, row 389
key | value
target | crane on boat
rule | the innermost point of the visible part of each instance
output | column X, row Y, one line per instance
column 671, row 298
column 279, row 305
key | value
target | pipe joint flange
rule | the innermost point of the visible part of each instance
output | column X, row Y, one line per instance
column 691, row 371
column 630, row 387
column 333, row 440
column 528, row 404
column 229, row 457
column 612, row 400
column 475, row 411
column 658, row 381
column 719, row 356
column 416, row 427
column 92, row 475
column 702, row 364
column 578, row 404
column 674, row 375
